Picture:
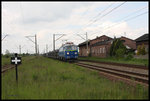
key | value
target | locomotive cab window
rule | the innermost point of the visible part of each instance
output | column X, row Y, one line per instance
column 71, row 48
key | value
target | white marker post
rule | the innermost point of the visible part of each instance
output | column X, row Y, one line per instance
column 16, row 60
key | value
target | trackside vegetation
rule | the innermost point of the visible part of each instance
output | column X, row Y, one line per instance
column 45, row 78
column 135, row 61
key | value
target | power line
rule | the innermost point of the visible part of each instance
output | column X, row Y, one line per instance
column 35, row 42
column 100, row 13
column 108, row 12
column 4, row 37
column 124, row 20
column 129, row 15
column 96, row 16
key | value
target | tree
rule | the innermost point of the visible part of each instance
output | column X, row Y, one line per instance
column 139, row 50
column 143, row 52
column 117, row 48
column 7, row 53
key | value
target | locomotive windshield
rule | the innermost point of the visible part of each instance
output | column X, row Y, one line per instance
column 71, row 48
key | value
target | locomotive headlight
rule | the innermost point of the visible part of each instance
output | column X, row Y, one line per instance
column 67, row 53
column 75, row 53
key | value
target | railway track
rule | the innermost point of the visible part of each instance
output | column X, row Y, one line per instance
column 6, row 67
column 130, row 74
column 118, row 64
column 10, row 66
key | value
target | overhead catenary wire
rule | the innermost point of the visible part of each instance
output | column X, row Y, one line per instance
column 93, row 18
column 122, row 22
column 137, row 10
column 108, row 12
column 96, row 16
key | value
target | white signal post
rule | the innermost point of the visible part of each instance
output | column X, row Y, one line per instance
column 16, row 60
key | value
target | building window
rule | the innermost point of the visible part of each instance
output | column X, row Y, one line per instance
column 100, row 50
column 104, row 50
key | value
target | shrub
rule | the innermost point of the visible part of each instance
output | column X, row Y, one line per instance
column 120, row 52
column 7, row 56
column 117, row 47
column 129, row 57
column 141, row 50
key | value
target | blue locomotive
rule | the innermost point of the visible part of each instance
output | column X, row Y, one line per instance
column 68, row 51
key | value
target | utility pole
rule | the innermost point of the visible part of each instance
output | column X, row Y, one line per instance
column 86, row 39
column 35, row 42
column 56, row 39
column 20, row 49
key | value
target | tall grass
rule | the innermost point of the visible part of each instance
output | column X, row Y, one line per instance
column 44, row 78
column 119, row 60
column 5, row 60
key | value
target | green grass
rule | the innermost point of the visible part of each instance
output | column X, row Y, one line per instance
column 5, row 61
column 120, row 60
column 44, row 78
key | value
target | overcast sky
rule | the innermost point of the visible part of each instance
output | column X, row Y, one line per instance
column 20, row 19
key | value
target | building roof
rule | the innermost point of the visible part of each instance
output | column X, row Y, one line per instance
column 101, row 36
column 127, row 38
column 143, row 38
column 101, row 43
column 84, row 43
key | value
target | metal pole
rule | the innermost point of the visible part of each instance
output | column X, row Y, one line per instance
column 35, row 45
column 20, row 49
column 16, row 74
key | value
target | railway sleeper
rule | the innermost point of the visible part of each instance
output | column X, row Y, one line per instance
column 119, row 70
column 122, row 74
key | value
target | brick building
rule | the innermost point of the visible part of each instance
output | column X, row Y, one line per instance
column 144, row 39
column 83, row 48
column 129, row 43
column 100, row 46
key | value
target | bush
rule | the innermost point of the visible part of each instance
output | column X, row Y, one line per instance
column 120, row 53
column 117, row 48
column 7, row 56
column 129, row 57
column 141, row 50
